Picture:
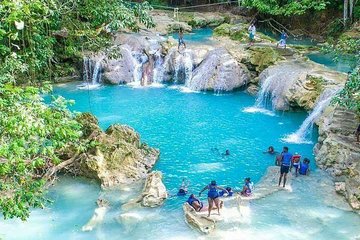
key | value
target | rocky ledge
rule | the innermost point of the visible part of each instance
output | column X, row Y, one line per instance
column 338, row 153
column 116, row 156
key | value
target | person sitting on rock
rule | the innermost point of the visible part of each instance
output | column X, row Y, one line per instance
column 247, row 188
column 305, row 167
column 195, row 203
column 183, row 188
column 213, row 196
column 357, row 134
column 181, row 39
column 223, row 193
column 295, row 163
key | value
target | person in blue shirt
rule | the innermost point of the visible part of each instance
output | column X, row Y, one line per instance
column 285, row 163
column 229, row 190
column 195, row 203
column 305, row 167
column 283, row 38
column 213, row 196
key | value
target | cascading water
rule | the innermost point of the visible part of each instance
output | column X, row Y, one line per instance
column 91, row 73
column 300, row 136
column 274, row 82
column 183, row 67
column 158, row 68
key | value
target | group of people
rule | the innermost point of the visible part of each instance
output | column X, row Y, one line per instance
column 252, row 32
column 213, row 195
column 287, row 161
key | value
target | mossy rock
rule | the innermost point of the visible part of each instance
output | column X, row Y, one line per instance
column 176, row 26
column 89, row 124
column 198, row 22
column 223, row 30
column 263, row 57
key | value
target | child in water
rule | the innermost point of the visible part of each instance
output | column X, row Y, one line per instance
column 183, row 188
column 223, row 193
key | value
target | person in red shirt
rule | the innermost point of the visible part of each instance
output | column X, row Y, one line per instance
column 295, row 162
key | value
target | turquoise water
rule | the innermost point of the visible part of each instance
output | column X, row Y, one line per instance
column 186, row 127
column 291, row 40
column 344, row 64
column 198, row 35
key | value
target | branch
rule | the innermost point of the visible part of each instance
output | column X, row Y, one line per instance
column 49, row 173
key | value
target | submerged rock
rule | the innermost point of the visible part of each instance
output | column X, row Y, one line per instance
column 117, row 157
column 338, row 153
column 98, row 216
column 219, row 71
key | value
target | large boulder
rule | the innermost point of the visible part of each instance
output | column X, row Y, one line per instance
column 219, row 71
column 154, row 193
column 115, row 156
column 338, row 153
column 197, row 221
column 297, row 83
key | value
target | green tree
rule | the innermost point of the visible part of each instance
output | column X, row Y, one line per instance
column 285, row 7
column 35, row 37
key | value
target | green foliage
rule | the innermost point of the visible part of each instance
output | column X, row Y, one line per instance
column 287, row 7
column 349, row 96
column 32, row 135
column 36, row 35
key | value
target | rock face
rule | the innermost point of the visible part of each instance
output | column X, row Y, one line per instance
column 118, row 156
column 154, row 193
column 203, row 224
column 219, row 71
column 338, row 153
column 296, row 83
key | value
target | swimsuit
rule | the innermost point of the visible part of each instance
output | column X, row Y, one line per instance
column 213, row 193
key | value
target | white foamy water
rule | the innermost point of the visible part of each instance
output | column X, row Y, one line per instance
column 300, row 136
column 259, row 110
column 208, row 167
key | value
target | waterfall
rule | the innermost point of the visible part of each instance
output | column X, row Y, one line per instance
column 91, row 73
column 183, row 67
column 306, row 127
column 275, row 81
column 159, row 68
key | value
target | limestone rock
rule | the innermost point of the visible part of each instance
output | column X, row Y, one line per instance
column 298, row 83
column 154, row 193
column 338, row 153
column 219, row 71
column 176, row 26
column 118, row 157
column 201, row 223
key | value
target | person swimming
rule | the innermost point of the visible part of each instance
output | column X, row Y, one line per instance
column 223, row 193
column 213, row 196
column 195, row 203
column 247, row 188
column 271, row 150
column 183, row 188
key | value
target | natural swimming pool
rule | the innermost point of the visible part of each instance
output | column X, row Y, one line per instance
column 186, row 127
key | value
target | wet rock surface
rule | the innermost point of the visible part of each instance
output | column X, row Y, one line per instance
column 117, row 157
column 338, row 153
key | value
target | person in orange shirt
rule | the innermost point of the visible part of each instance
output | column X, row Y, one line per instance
column 295, row 162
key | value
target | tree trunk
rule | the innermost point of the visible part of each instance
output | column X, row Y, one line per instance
column 346, row 5
column 351, row 7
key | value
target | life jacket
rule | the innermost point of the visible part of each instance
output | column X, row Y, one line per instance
column 297, row 158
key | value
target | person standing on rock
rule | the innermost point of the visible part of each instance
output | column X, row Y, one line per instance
column 283, row 38
column 286, row 158
column 213, row 196
column 357, row 134
column 252, row 32
column 181, row 39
